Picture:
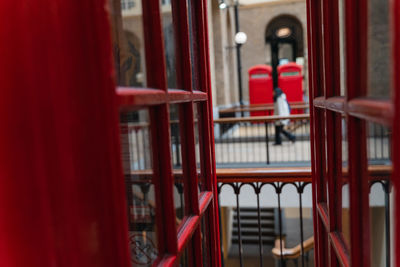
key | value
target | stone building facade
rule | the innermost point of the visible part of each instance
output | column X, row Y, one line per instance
column 254, row 19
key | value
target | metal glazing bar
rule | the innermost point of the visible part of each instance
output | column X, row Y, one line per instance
column 260, row 244
column 237, row 192
column 267, row 141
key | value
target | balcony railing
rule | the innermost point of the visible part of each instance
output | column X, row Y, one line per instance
column 252, row 237
column 266, row 213
column 258, row 229
column 249, row 142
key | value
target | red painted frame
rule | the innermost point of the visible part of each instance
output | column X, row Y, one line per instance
column 328, row 108
column 157, row 99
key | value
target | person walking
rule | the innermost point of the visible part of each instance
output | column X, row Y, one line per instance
column 281, row 108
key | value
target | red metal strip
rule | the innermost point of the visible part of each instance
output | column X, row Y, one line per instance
column 166, row 261
column 200, row 7
column 186, row 231
column 163, row 180
column 199, row 96
column 319, row 102
column 356, row 17
column 342, row 252
column 136, row 98
column 181, row 96
column 189, row 165
column 336, row 104
column 359, row 193
column 129, row 98
column 395, row 34
column 334, row 167
column 312, row 76
column 378, row 111
column 323, row 213
column 205, row 199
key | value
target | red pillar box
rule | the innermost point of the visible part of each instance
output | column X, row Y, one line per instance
column 291, row 82
column 260, row 87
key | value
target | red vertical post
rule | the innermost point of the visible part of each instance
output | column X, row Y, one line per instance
column 160, row 130
column 356, row 71
column 205, row 84
column 395, row 33
column 61, row 186
column 311, row 37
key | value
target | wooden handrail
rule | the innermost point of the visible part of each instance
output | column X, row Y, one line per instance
column 291, row 253
column 267, row 106
column 265, row 175
column 263, row 118
column 282, row 174
column 260, row 108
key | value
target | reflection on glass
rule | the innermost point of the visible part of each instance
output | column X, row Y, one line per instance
column 193, row 45
column 129, row 45
column 345, row 184
column 378, row 144
column 379, row 166
column 198, row 134
column 137, row 165
column 205, row 245
column 184, row 261
column 169, row 43
column 379, row 60
column 176, row 156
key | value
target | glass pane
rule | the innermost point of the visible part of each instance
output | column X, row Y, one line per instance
column 345, row 184
column 169, row 42
column 184, row 261
column 205, row 241
column 137, row 165
column 379, row 165
column 193, row 45
column 179, row 196
column 378, row 144
column 129, row 50
column 199, row 134
column 379, row 60
column 342, row 44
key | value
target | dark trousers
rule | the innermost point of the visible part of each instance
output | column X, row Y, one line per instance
column 278, row 131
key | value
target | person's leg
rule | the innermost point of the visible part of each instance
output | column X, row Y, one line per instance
column 288, row 135
column 278, row 129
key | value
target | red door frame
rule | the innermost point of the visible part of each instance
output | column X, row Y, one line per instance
column 59, row 103
column 172, row 244
column 328, row 108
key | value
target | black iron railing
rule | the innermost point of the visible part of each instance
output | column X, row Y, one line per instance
column 249, row 142
column 244, row 235
column 268, row 233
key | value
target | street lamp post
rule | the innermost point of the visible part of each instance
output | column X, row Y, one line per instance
column 240, row 39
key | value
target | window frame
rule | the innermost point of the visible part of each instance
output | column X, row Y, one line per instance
column 157, row 98
column 328, row 107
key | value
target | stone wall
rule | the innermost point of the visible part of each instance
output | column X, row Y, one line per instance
column 253, row 21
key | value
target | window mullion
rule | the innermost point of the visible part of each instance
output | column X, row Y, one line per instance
column 163, row 180
column 160, row 129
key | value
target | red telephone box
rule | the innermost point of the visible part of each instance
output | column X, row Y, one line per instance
column 260, row 87
column 290, row 80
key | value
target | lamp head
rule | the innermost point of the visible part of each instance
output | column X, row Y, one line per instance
column 222, row 5
column 240, row 38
